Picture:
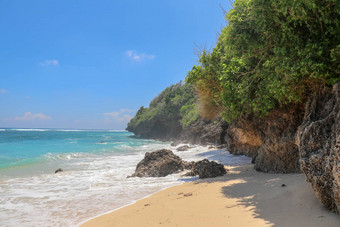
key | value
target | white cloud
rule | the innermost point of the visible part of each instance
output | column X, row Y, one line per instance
column 3, row 91
column 135, row 56
column 120, row 116
column 49, row 62
column 29, row 116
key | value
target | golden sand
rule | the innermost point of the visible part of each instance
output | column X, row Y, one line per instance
column 243, row 197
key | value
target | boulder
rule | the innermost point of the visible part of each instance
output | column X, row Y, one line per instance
column 183, row 148
column 159, row 164
column 207, row 169
column 318, row 140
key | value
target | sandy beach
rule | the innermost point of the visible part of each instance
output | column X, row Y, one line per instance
column 243, row 197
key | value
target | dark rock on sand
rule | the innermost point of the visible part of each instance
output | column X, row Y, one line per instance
column 207, row 169
column 159, row 164
column 318, row 139
column 58, row 170
column 183, row 148
column 188, row 165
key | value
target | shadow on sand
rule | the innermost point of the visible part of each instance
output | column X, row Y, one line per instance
column 279, row 199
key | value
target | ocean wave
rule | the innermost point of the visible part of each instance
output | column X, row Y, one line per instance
column 70, row 130
column 29, row 129
column 64, row 156
column 115, row 130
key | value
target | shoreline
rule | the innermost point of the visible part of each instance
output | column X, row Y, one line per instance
column 127, row 205
column 241, row 197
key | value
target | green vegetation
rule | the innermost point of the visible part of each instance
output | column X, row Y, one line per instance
column 176, row 105
column 271, row 53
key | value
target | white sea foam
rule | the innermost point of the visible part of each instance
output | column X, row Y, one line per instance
column 2, row 130
column 115, row 130
column 69, row 130
column 30, row 129
column 91, row 184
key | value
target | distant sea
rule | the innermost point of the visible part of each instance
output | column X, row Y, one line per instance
column 95, row 165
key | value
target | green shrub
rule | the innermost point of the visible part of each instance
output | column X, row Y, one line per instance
column 271, row 53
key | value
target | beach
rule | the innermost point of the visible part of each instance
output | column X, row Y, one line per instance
column 242, row 197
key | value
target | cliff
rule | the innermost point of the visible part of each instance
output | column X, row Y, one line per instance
column 274, row 76
column 289, row 139
column 318, row 140
column 168, row 113
column 173, row 115
column 269, row 140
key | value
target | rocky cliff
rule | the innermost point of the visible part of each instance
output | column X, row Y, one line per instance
column 289, row 139
column 318, row 140
column 204, row 132
column 269, row 140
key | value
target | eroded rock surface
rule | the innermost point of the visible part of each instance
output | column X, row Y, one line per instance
column 159, row 164
column 163, row 162
column 318, row 139
column 207, row 169
column 269, row 140
column 243, row 137
column 278, row 152
column 204, row 132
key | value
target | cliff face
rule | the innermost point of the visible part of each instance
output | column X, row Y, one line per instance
column 243, row 137
column 158, row 128
column 269, row 140
column 278, row 152
column 204, row 132
column 288, row 140
column 318, row 140
column 201, row 131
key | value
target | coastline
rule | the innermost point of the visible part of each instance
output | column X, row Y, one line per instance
column 242, row 197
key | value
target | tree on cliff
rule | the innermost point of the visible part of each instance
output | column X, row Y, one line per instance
column 171, row 111
column 271, row 53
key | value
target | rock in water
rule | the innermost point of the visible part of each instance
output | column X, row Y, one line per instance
column 159, row 164
column 318, row 139
column 183, row 148
column 208, row 169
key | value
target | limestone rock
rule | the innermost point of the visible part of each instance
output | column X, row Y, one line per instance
column 318, row 139
column 159, row 164
column 278, row 152
column 243, row 137
column 269, row 140
column 207, row 169
column 204, row 132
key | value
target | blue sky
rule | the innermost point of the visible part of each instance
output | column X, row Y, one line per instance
column 91, row 64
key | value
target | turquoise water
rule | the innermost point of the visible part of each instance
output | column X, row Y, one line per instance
column 28, row 146
column 94, row 179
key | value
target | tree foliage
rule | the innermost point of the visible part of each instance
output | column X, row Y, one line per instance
column 271, row 53
column 176, row 105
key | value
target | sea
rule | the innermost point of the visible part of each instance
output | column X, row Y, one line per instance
column 94, row 181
